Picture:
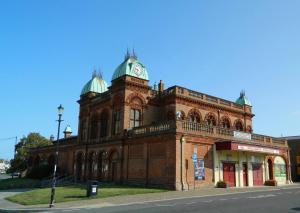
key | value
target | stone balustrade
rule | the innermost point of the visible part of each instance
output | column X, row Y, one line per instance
column 192, row 128
column 176, row 90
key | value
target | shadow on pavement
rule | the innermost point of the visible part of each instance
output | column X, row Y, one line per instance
column 296, row 209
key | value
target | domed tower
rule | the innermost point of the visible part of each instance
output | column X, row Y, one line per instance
column 68, row 132
column 95, row 85
column 243, row 100
column 129, row 93
column 131, row 66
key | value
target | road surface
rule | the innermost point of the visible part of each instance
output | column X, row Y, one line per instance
column 284, row 200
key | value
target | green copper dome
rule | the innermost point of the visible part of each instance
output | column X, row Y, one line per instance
column 243, row 100
column 96, row 84
column 68, row 129
column 131, row 66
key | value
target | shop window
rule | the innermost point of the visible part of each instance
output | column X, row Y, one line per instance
column 135, row 118
column 117, row 122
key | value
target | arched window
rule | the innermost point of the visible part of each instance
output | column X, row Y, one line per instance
column 83, row 128
column 194, row 117
column 225, row 123
column 103, row 124
column 135, row 118
column 94, row 127
column 211, row 120
column 117, row 122
column 239, row 125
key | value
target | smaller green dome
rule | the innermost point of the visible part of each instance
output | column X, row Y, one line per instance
column 131, row 66
column 68, row 129
column 96, row 84
column 243, row 100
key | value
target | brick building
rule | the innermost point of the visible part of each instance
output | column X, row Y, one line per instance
column 294, row 145
column 174, row 137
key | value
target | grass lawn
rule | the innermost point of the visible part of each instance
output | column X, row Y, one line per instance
column 73, row 193
column 18, row 183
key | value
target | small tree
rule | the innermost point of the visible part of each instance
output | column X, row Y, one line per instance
column 32, row 140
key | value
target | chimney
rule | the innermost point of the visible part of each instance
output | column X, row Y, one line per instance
column 161, row 86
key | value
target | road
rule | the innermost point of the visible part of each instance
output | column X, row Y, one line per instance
column 4, row 176
column 283, row 200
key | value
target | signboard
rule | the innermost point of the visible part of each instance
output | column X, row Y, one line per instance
column 257, row 149
column 199, row 169
column 194, row 157
column 242, row 135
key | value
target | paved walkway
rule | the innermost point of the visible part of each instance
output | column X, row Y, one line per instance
column 134, row 199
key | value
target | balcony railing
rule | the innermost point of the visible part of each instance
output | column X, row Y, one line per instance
column 176, row 90
column 192, row 128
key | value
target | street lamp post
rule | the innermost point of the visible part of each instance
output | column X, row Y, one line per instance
column 60, row 112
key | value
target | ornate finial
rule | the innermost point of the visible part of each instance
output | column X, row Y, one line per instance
column 97, row 73
column 100, row 74
column 130, row 55
column 242, row 93
column 127, row 55
column 133, row 54
column 94, row 73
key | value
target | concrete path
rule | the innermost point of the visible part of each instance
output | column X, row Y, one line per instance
column 4, row 204
column 140, row 199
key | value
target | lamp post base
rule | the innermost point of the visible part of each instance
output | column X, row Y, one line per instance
column 51, row 205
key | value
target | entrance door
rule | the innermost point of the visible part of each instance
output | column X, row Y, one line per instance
column 257, row 174
column 245, row 174
column 229, row 173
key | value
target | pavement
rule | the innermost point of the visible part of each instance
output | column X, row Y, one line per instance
column 159, row 200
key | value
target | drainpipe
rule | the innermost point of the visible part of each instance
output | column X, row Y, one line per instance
column 182, row 140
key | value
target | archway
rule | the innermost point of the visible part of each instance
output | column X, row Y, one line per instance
column 37, row 161
column 113, row 165
column 270, row 165
column 100, row 166
column 51, row 160
column 79, row 161
column 91, row 165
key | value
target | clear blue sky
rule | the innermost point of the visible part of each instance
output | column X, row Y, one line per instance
column 48, row 50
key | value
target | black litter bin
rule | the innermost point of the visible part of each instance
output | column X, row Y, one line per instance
column 92, row 188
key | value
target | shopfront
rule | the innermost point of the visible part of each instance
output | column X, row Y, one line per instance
column 242, row 164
